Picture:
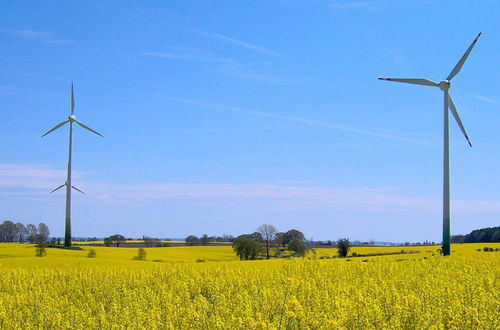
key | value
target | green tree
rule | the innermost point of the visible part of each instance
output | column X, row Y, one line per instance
column 246, row 248
column 343, row 247
column 116, row 239
column 279, row 238
column 483, row 235
column 298, row 247
column 108, row 241
column 256, row 236
column 292, row 235
column 192, row 240
column 151, row 242
column 204, row 240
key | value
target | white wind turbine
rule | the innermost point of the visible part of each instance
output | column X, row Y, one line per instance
column 448, row 104
column 71, row 119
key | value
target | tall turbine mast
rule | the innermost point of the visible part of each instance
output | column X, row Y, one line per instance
column 445, row 85
column 67, row 184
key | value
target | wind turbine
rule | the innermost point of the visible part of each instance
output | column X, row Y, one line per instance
column 71, row 119
column 445, row 85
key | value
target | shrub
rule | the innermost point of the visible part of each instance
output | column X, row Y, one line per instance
column 141, row 254
column 40, row 251
column 91, row 253
column 200, row 260
column 343, row 247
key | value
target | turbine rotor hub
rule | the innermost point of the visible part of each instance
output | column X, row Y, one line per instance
column 72, row 118
column 444, row 85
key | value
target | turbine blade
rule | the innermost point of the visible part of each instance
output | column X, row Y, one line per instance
column 87, row 128
column 56, row 127
column 72, row 104
column 77, row 189
column 416, row 81
column 58, row 188
column 457, row 118
column 460, row 63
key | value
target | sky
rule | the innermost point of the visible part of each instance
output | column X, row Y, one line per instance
column 219, row 116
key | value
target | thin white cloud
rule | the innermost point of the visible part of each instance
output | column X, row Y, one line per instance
column 28, row 33
column 185, row 54
column 483, row 98
column 31, row 180
column 225, row 66
column 240, row 43
column 295, row 119
column 173, row 56
column 32, row 176
column 37, row 35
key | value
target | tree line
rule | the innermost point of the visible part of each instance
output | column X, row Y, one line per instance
column 193, row 240
column 485, row 235
column 18, row 232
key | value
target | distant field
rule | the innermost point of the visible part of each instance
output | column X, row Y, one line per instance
column 23, row 255
column 172, row 243
column 128, row 241
column 67, row 290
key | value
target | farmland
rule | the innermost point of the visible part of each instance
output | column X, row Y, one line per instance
column 66, row 289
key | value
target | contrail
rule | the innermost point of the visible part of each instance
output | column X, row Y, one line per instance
column 240, row 43
column 294, row 119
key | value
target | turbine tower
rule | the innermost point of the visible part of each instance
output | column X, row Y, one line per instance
column 448, row 104
column 71, row 119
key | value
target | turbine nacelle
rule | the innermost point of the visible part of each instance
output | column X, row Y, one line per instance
column 444, row 85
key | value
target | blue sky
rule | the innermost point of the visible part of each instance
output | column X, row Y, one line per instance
column 219, row 116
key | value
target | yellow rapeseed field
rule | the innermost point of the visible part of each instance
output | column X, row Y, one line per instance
column 67, row 290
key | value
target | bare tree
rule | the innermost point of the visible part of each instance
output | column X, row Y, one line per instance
column 8, row 231
column 43, row 231
column 22, row 233
column 32, row 231
column 268, row 233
